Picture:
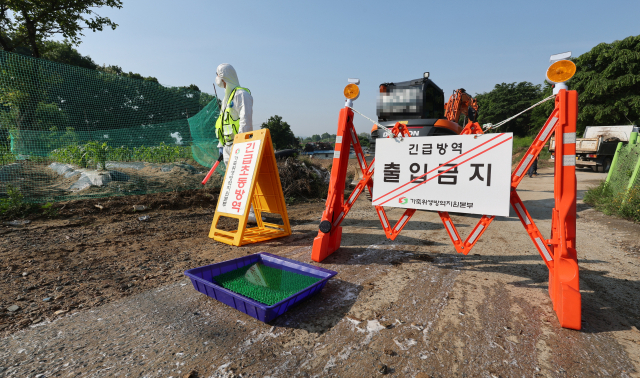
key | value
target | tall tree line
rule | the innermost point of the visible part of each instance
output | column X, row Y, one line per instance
column 38, row 96
column 608, row 84
column 33, row 23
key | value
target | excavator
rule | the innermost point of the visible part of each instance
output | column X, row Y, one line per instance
column 420, row 105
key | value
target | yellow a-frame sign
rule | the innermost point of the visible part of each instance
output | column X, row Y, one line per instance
column 251, row 179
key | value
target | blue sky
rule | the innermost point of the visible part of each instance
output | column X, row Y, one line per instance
column 296, row 56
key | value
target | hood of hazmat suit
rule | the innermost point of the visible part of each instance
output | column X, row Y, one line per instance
column 227, row 73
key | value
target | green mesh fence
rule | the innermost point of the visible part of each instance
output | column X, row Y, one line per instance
column 205, row 143
column 68, row 132
column 622, row 172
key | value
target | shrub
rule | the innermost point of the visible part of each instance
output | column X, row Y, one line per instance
column 15, row 206
column 97, row 154
column 626, row 205
column 6, row 157
column 72, row 154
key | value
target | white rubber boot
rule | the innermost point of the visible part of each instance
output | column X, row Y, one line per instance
column 252, row 216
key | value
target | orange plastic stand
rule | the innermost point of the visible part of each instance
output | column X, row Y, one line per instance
column 330, row 234
column 558, row 252
column 265, row 191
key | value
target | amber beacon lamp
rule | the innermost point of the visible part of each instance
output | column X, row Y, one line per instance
column 560, row 71
column 351, row 91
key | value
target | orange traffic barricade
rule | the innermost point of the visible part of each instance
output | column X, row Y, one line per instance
column 558, row 252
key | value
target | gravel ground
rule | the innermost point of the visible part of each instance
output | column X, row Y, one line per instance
column 406, row 308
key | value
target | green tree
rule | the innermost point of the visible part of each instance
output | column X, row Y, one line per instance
column 608, row 83
column 325, row 136
column 541, row 113
column 315, row 138
column 32, row 22
column 60, row 52
column 506, row 100
column 38, row 96
column 63, row 52
column 281, row 133
column 364, row 139
column 116, row 70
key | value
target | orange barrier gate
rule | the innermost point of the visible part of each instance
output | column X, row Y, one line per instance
column 330, row 234
column 558, row 252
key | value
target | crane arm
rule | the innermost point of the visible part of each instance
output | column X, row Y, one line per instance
column 461, row 103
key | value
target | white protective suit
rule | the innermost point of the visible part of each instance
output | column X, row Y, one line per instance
column 242, row 108
column 242, row 102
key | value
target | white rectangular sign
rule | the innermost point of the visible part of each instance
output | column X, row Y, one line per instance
column 234, row 194
column 458, row 173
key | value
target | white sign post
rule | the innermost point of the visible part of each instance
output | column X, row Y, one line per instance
column 234, row 194
column 459, row 173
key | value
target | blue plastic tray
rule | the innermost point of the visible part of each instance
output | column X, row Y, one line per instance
column 202, row 280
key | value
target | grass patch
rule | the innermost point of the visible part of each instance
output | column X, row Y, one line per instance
column 6, row 157
column 627, row 206
column 14, row 206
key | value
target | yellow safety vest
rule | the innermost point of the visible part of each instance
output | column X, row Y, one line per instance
column 226, row 126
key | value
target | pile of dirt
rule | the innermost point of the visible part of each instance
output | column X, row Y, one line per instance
column 302, row 179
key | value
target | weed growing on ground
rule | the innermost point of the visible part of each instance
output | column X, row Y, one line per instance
column 627, row 205
column 6, row 157
column 14, row 205
column 631, row 206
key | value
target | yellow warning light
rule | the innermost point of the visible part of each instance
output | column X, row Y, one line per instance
column 561, row 71
column 351, row 91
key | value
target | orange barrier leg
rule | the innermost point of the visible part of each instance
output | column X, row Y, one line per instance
column 532, row 229
column 532, row 153
column 559, row 252
column 465, row 246
column 329, row 237
column 330, row 233
column 564, row 287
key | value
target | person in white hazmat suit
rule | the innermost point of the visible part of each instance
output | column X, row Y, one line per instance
column 236, row 115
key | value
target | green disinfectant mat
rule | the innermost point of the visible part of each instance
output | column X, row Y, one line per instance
column 264, row 284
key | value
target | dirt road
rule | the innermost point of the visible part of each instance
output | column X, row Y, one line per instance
column 408, row 308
